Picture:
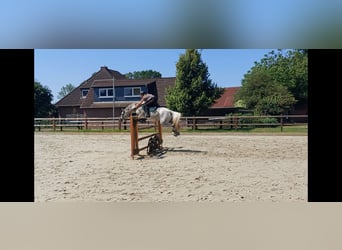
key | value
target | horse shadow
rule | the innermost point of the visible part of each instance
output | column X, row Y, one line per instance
column 161, row 153
column 183, row 150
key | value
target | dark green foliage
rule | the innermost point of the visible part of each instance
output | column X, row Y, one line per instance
column 245, row 119
column 193, row 92
column 144, row 74
column 275, row 83
column 42, row 102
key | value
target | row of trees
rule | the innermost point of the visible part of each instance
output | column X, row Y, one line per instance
column 43, row 97
column 272, row 86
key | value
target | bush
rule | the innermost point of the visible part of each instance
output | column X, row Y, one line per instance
column 270, row 121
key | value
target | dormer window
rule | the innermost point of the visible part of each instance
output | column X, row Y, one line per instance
column 132, row 92
column 105, row 92
column 84, row 92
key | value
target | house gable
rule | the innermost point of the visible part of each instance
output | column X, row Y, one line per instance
column 74, row 98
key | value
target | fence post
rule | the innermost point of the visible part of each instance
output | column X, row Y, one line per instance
column 281, row 123
column 39, row 122
column 235, row 122
column 54, row 124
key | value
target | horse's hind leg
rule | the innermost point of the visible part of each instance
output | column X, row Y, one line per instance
column 175, row 131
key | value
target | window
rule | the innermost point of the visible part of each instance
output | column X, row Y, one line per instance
column 132, row 92
column 84, row 92
column 104, row 93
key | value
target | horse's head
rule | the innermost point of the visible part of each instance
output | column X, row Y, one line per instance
column 125, row 113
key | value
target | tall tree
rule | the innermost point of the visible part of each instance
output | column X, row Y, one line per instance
column 276, row 83
column 144, row 74
column 289, row 68
column 265, row 95
column 193, row 92
column 65, row 90
column 42, row 101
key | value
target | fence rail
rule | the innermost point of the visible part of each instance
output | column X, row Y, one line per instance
column 194, row 123
column 245, row 121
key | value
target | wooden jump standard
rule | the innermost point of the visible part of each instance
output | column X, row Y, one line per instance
column 154, row 142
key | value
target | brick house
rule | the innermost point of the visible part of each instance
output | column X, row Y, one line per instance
column 96, row 97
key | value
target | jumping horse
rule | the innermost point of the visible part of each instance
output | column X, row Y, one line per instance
column 164, row 115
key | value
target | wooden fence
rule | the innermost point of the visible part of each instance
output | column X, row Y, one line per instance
column 247, row 121
column 78, row 124
column 194, row 123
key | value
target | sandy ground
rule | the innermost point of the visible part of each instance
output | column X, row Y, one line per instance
column 194, row 167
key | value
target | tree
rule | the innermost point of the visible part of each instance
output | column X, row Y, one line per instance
column 144, row 74
column 193, row 92
column 290, row 68
column 263, row 94
column 65, row 90
column 42, row 101
column 275, row 83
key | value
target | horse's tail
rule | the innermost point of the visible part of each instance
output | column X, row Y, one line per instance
column 176, row 119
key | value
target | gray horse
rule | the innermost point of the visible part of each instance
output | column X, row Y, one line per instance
column 164, row 115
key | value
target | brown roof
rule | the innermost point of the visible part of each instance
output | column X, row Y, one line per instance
column 88, row 100
column 74, row 97
column 227, row 98
column 103, row 73
column 126, row 82
column 104, row 78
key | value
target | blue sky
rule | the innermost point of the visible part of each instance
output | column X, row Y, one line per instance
column 55, row 68
column 170, row 24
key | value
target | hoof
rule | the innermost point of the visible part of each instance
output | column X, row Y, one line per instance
column 176, row 133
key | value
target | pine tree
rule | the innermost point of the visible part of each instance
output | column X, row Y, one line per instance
column 193, row 92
